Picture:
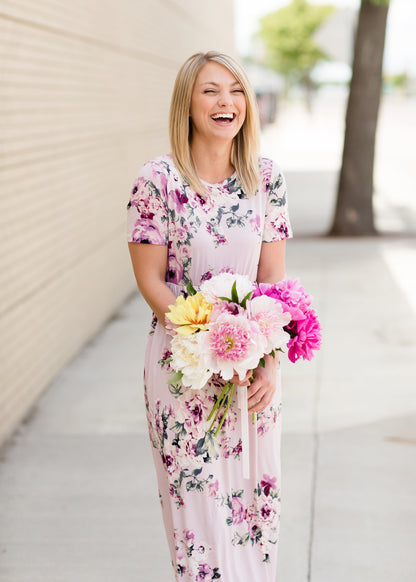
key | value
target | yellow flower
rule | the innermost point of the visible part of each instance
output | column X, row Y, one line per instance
column 190, row 314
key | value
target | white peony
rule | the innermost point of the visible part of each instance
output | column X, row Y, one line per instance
column 187, row 358
column 220, row 286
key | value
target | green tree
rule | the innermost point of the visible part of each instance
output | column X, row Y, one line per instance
column 287, row 35
column 354, row 213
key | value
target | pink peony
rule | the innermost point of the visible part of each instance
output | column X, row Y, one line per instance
column 306, row 337
column 269, row 316
column 231, row 344
column 291, row 295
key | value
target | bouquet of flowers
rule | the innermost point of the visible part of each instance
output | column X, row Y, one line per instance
column 229, row 325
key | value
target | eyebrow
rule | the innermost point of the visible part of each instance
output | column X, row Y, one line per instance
column 216, row 84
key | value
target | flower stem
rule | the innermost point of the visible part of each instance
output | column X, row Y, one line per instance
column 230, row 397
column 218, row 405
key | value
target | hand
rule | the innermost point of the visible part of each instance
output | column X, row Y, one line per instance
column 246, row 382
column 262, row 389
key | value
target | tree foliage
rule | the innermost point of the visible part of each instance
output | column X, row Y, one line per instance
column 287, row 35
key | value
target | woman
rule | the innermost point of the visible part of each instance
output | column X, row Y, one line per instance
column 209, row 206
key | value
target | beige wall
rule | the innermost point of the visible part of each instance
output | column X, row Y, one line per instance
column 84, row 95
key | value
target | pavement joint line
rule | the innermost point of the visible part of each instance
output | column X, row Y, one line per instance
column 316, row 437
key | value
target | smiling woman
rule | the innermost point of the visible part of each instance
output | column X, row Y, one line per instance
column 212, row 205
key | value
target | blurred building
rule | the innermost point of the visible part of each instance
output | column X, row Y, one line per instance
column 85, row 88
column 269, row 88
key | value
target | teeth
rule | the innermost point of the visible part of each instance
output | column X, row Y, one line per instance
column 223, row 116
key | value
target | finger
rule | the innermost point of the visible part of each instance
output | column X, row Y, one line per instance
column 254, row 388
column 257, row 397
column 245, row 382
column 262, row 405
column 261, row 399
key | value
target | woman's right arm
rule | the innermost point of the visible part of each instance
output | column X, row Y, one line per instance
column 149, row 265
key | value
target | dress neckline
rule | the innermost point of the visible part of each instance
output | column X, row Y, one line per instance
column 222, row 183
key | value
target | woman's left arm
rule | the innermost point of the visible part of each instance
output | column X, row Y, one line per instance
column 271, row 269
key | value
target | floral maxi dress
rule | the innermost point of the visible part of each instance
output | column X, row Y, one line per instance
column 219, row 525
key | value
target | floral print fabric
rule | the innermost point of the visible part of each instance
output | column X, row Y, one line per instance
column 219, row 525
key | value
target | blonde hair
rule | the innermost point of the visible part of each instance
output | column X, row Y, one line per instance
column 244, row 151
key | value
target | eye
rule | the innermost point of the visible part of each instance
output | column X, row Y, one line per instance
column 209, row 91
column 238, row 91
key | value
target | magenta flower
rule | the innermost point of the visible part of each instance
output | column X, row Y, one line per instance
column 306, row 337
column 204, row 572
column 289, row 293
column 268, row 483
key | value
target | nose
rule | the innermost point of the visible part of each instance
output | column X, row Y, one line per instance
column 224, row 98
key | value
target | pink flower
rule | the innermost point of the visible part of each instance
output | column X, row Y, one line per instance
column 195, row 411
column 181, row 233
column 291, row 295
column 271, row 319
column 232, row 344
column 226, row 307
column 189, row 536
column 213, row 489
column 267, row 512
column 268, row 483
column 307, row 337
column 255, row 223
column 204, row 572
column 237, row 511
column 175, row 269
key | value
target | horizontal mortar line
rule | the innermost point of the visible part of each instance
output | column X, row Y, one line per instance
column 56, row 155
column 143, row 55
column 77, row 261
column 82, row 138
column 184, row 14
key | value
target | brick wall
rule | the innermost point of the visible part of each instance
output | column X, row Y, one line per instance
column 84, row 95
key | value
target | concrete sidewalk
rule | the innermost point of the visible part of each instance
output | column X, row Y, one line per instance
column 77, row 489
column 78, row 493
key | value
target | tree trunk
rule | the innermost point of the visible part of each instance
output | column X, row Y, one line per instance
column 354, row 208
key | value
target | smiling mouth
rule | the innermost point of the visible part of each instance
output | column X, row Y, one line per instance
column 223, row 118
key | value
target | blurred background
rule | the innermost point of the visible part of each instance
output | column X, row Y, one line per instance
column 84, row 96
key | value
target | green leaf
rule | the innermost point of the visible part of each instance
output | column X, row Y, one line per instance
column 244, row 301
column 262, row 363
column 190, row 289
column 234, row 294
column 225, row 299
column 176, row 378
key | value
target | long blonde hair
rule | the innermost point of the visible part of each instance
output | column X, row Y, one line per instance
column 244, row 150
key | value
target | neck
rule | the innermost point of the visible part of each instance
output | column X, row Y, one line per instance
column 212, row 160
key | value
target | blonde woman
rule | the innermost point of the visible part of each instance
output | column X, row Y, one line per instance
column 211, row 205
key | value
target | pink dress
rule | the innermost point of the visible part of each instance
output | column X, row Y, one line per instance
column 219, row 525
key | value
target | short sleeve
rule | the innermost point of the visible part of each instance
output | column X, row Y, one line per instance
column 147, row 211
column 276, row 220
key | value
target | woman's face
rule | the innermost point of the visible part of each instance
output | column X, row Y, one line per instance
column 218, row 104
